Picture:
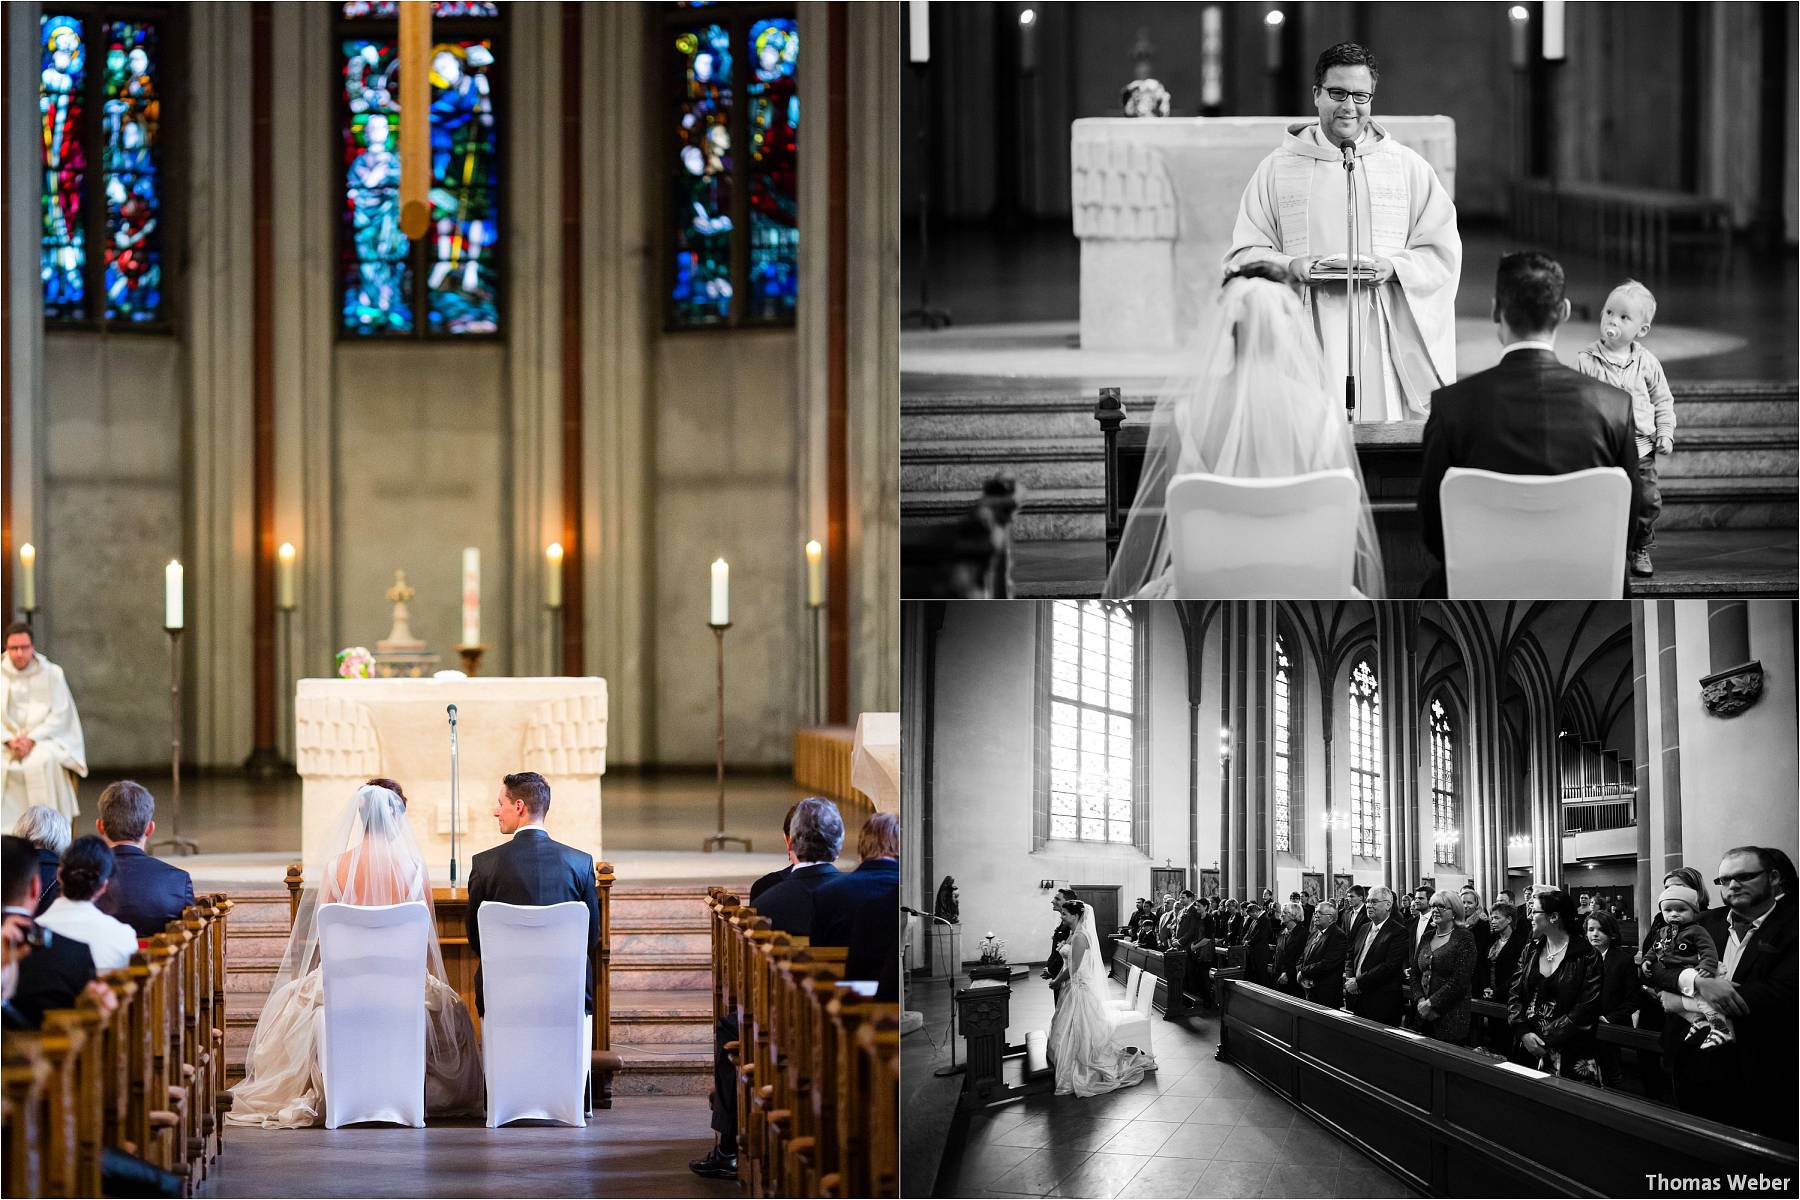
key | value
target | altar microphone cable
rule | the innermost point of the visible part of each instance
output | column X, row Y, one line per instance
column 454, row 796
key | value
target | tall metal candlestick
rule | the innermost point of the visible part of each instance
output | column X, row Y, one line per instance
column 182, row 845
column 721, row 839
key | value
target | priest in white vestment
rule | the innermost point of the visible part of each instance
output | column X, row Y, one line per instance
column 42, row 751
column 1293, row 213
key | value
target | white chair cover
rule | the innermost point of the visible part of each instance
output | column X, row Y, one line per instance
column 1525, row 537
column 1132, row 1029
column 1291, row 537
column 534, row 1041
column 1129, row 999
column 1145, row 1000
column 372, row 1022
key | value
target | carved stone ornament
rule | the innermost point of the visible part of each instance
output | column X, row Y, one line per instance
column 1729, row 693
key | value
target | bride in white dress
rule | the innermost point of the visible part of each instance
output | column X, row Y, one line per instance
column 371, row 858
column 1082, row 1047
column 1254, row 404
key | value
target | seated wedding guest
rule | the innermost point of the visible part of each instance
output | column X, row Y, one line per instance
column 1376, row 965
column 876, row 881
column 1285, row 960
column 1530, row 414
column 146, row 893
column 814, row 836
column 1253, row 403
column 1445, row 970
column 780, row 873
column 49, row 831
column 1619, row 994
column 1555, row 1000
column 1321, row 966
column 87, row 869
column 54, row 973
column 1495, row 970
column 1745, row 1082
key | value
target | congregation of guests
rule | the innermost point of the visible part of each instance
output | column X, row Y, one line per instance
column 1717, row 980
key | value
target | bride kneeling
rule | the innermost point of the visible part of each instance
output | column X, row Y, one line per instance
column 1254, row 405
column 1082, row 1045
column 371, row 859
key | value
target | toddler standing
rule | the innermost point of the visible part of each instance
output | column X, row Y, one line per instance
column 1616, row 358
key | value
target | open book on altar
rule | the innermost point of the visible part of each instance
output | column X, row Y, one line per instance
column 1337, row 267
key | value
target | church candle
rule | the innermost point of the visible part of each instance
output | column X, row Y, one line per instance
column 553, row 567
column 28, row 582
column 721, row 593
column 815, row 575
column 471, row 612
column 919, row 18
column 284, row 576
column 172, row 595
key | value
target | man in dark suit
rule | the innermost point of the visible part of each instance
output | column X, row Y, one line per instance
column 776, row 876
column 1376, row 963
column 530, row 869
column 146, row 893
column 875, row 884
column 1747, row 1082
column 1059, row 936
column 1189, row 925
column 1528, row 415
column 1321, row 968
column 1354, row 914
column 1259, row 944
column 53, row 974
column 793, row 906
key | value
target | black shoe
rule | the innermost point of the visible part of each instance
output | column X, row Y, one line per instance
column 715, row 1165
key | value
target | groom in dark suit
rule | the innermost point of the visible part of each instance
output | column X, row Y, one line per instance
column 530, row 869
column 1530, row 414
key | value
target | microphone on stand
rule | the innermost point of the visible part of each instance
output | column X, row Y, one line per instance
column 455, row 800
column 1348, row 149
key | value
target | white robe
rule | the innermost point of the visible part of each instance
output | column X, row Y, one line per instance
column 36, row 702
column 1294, row 205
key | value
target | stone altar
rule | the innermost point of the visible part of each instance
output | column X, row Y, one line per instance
column 348, row 730
column 1154, row 205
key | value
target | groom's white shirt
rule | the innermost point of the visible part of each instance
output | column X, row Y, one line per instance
column 1527, row 344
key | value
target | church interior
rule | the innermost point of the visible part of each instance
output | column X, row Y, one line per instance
column 1248, row 749
column 1029, row 282
column 595, row 410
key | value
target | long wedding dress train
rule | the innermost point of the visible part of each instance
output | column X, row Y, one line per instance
column 283, row 1087
column 1087, row 1060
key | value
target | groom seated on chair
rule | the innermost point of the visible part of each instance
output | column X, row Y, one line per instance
column 530, row 869
column 1530, row 414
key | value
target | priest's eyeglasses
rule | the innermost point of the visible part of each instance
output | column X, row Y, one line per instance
column 1339, row 95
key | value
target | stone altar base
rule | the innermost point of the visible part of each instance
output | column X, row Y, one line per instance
column 348, row 730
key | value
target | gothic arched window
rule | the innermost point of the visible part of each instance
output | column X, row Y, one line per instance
column 1093, row 715
column 733, row 251
column 1287, row 755
column 447, row 283
column 1444, row 808
column 1365, row 761
column 100, row 104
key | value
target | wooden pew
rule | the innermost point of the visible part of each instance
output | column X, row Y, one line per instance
column 1171, row 968
column 26, row 1072
column 1450, row 1121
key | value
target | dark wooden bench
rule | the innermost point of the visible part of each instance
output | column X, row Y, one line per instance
column 1387, row 451
column 967, row 559
column 1171, row 969
column 1640, row 227
column 1452, row 1122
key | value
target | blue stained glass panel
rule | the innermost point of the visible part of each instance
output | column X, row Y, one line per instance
column 702, row 172
column 377, row 277
column 465, row 190
column 61, row 87
column 774, row 99
column 130, row 114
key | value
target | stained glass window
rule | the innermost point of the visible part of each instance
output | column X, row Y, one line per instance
column 123, row 285
column 1287, row 716
column 1443, row 786
column 734, row 184
column 1365, row 762
column 389, row 10
column 1092, row 713
column 448, row 282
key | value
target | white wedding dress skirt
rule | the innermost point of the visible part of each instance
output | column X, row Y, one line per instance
column 283, row 1088
column 1082, row 1046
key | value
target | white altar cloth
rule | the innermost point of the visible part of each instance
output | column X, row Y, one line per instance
column 348, row 730
column 1155, row 200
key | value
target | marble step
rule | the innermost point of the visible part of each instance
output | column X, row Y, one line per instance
column 663, row 1018
column 663, row 972
column 660, row 939
column 971, row 418
column 648, row 1073
column 1049, row 514
column 1710, row 451
column 244, row 947
column 1736, row 403
column 642, row 905
column 957, row 466
column 257, row 911
column 1711, row 502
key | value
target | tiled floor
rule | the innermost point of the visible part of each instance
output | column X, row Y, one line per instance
column 1196, row 1127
